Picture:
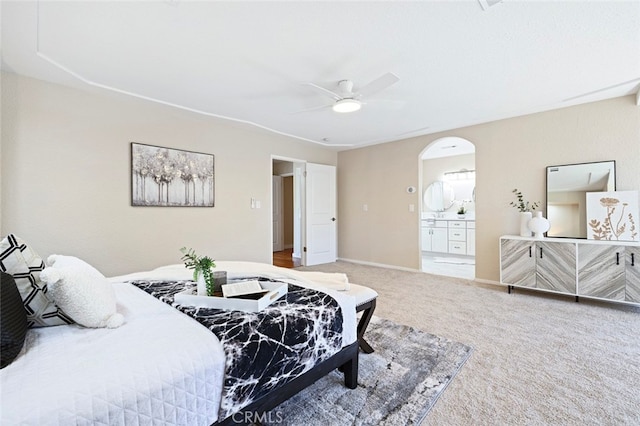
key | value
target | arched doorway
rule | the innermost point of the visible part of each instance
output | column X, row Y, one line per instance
column 447, row 225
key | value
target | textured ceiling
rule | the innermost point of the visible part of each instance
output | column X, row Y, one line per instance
column 459, row 62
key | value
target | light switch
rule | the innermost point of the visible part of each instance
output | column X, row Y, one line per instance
column 365, row 208
column 412, row 207
column 258, row 204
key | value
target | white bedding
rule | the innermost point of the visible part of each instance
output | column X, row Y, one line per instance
column 174, row 375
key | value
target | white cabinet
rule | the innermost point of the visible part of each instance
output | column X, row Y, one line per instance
column 583, row 268
column 439, row 240
column 434, row 237
column 448, row 236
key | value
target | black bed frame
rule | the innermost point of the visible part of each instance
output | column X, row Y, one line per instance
column 346, row 361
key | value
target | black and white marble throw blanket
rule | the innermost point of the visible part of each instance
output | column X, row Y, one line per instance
column 267, row 349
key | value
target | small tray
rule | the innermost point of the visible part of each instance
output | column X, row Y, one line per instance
column 190, row 298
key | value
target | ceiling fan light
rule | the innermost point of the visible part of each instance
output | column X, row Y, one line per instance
column 347, row 105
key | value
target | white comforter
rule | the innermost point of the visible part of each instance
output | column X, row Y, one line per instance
column 160, row 367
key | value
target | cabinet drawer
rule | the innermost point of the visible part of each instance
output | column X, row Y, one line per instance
column 457, row 247
column 457, row 235
column 471, row 224
column 457, row 224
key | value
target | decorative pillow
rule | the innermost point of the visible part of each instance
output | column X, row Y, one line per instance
column 81, row 291
column 20, row 261
column 13, row 320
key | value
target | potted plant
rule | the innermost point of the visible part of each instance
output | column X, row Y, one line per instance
column 461, row 211
column 525, row 208
column 202, row 270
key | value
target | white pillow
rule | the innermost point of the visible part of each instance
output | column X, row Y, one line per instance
column 81, row 291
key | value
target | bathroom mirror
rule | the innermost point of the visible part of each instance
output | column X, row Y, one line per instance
column 438, row 196
column 567, row 186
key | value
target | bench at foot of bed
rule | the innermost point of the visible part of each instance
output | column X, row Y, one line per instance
column 346, row 360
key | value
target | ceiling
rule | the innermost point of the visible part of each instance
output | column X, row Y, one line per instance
column 458, row 62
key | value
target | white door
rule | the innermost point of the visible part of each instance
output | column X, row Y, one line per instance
column 278, row 230
column 321, row 226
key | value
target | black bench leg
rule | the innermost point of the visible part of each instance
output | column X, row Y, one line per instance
column 350, row 369
column 362, row 326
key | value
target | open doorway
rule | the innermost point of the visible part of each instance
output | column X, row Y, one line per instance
column 447, row 222
column 286, row 200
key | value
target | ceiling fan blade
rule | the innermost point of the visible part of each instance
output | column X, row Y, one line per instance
column 324, row 91
column 313, row 108
column 378, row 84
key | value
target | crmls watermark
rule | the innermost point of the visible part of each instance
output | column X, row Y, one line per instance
column 251, row 417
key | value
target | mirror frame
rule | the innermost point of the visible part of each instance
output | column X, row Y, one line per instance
column 581, row 214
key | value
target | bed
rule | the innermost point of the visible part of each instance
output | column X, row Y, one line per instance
column 166, row 366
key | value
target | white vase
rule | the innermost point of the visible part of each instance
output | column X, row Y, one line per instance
column 202, row 285
column 525, row 217
column 539, row 225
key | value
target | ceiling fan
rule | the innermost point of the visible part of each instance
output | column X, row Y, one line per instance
column 345, row 99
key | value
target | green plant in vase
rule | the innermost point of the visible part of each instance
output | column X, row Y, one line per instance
column 200, row 265
column 525, row 208
column 521, row 204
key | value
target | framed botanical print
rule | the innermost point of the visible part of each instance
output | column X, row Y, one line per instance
column 612, row 216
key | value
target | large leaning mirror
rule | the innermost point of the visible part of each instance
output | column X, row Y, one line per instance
column 439, row 196
column 567, row 186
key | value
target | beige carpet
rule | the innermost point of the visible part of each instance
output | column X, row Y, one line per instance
column 538, row 359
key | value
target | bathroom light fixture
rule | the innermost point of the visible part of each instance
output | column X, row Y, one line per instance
column 347, row 105
column 463, row 174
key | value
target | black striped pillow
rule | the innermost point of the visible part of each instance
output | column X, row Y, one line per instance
column 13, row 320
column 20, row 261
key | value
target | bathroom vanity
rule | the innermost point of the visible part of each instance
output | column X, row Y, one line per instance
column 448, row 235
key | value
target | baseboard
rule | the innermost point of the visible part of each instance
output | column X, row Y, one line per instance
column 379, row 265
column 492, row 282
column 401, row 268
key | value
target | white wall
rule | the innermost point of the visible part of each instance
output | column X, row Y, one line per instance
column 66, row 178
column 511, row 153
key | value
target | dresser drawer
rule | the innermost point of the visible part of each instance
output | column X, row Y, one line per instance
column 457, row 235
column 461, row 224
column 457, row 247
column 471, row 224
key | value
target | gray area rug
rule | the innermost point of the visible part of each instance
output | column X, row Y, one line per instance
column 397, row 384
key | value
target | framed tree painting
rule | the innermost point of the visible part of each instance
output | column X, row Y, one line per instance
column 168, row 177
column 612, row 216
